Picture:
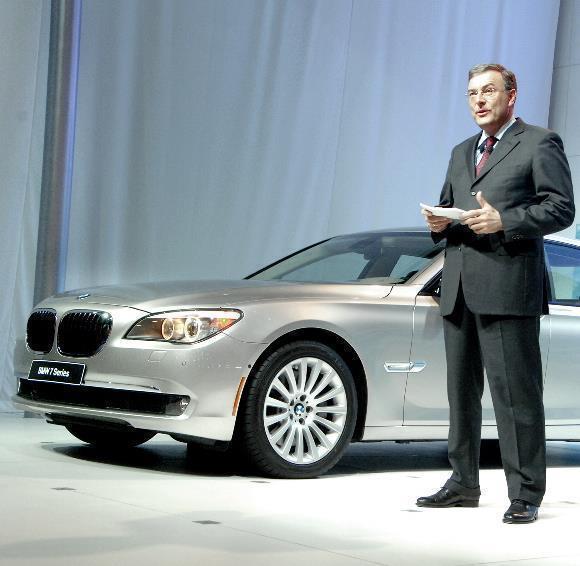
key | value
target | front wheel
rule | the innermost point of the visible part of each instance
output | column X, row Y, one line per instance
column 300, row 411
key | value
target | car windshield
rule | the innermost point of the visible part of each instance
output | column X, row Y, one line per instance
column 383, row 258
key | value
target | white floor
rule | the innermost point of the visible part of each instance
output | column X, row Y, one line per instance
column 61, row 503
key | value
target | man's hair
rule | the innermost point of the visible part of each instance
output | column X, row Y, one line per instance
column 509, row 79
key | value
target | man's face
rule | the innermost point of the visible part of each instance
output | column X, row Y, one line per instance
column 490, row 104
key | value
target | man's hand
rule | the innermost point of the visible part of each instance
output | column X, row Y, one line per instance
column 435, row 223
column 484, row 220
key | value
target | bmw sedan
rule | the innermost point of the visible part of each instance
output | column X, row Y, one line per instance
column 339, row 342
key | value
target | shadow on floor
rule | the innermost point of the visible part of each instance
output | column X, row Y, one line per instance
column 167, row 457
column 361, row 458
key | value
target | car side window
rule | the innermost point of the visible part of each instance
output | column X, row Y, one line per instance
column 563, row 262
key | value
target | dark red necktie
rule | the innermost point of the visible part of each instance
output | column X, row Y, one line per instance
column 488, row 148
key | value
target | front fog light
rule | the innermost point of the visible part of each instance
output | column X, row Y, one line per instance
column 176, row 406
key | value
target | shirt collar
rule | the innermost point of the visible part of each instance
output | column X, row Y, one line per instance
column 497, row 136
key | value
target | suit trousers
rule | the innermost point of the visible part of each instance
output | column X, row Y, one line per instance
column 509, row 350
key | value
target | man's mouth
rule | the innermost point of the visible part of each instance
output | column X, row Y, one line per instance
column 482, row 112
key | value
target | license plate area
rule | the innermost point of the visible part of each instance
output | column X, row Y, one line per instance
column 58, row 372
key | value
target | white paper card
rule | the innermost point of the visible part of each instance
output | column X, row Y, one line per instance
column 453, row 213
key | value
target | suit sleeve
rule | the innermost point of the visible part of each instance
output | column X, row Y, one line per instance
column 553, row 207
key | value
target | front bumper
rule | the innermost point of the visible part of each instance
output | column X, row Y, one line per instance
column 181, row 390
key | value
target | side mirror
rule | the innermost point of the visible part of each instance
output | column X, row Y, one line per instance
column 433, row 288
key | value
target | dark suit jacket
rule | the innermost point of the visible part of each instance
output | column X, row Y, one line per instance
column 527, row 179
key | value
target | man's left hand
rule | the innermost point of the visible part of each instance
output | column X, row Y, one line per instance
column 484, row 220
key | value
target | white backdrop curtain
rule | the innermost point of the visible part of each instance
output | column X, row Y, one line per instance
column 214, row 136
column 24, row 30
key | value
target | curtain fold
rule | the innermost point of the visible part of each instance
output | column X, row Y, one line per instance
column 23, row 60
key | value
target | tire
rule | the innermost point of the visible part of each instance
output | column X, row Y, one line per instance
column 490, row 453
column 300, row 411
column 111, row 439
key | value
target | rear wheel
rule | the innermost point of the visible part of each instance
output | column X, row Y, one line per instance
column 109, row 438
column 300, row 411
column 490, row 454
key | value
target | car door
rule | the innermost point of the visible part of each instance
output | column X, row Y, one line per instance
column 561, row 399
column 426, row 392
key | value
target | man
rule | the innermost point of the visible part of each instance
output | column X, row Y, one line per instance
column 513, row 181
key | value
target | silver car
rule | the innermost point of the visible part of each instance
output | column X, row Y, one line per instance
column 339, row 342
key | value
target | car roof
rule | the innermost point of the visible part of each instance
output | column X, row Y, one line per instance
column 421, row 230
column 391, row 231
column 563, row 240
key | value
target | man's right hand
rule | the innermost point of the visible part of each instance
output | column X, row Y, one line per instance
column 435, row 223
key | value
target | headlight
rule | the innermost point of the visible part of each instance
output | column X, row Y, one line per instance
column 183, row 327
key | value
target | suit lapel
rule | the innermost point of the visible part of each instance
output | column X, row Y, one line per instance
column 507, row 143
column 470, row 156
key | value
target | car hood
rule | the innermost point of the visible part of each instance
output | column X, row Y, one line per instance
column 152, row 297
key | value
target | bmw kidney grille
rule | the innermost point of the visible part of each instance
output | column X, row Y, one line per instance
column 83, row 333
column 40, row 330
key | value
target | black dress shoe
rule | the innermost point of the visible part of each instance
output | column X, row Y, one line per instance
column 447, row 498
column 521, row 511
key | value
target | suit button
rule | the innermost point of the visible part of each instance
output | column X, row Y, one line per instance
column 473, row 193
